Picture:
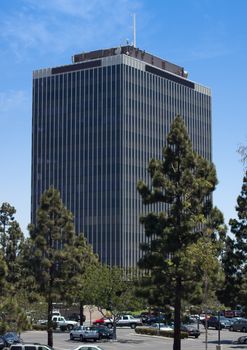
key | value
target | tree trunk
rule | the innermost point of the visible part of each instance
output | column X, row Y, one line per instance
column 81, row 313
column 50, row 325
column 114, row 337
column 177, row 311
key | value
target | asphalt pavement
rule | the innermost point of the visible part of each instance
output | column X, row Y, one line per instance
column 127, row 339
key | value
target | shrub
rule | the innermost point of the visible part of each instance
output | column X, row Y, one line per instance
column 150, row 331
column 43, row 327
column 3, row 327
column 63, row 328
column 39, row 327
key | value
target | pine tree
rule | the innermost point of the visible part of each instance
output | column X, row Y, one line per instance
column 11, row 240
column 3, row 273
column 52, row 240
column 84, row 264
column 183, row 182
column 234, row 258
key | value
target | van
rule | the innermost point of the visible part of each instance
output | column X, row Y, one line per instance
column 30, row 346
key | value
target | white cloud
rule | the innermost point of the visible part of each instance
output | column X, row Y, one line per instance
column 59, row 25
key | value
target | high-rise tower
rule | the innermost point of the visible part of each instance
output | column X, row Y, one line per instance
column 96, row 124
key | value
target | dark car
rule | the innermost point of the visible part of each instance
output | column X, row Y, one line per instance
column 155, row 319
column 104, row 332
column 76, row 317
column 11, row 338
column 2, row 343
column 239, row 325
column 217, row 323
column 190, row 329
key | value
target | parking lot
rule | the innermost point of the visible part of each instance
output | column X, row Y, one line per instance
column 128, row 340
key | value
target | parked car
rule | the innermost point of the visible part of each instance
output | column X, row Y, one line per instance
column 86, row 347
column 30, row 346
column 60, row 322
column 232, row 320
column 2, row 343
column 162, row 326
column 190, row 329
column 99, row 321
column 155, row 319
column 239, row 325
column 194, row 317
column 241, row 340
column 144, row 316
column 76, row 317
column 233, row 313
column 217, row 323
column 83, row 333
column 104, row 332
column 11, row 338
column 122, row 321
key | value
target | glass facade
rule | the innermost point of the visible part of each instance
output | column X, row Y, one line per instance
column 95, row 128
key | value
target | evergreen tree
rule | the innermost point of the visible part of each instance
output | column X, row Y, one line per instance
column 84, row 264
column 11, row 240
column 234, row 258
column 201, row 263
column 204, row 260
column 3, row 273
column 183, row 181
column 52, row 241
column 13, row 316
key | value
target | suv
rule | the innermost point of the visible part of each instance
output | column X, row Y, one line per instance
column 124, row 320
column 30, row 346
column 239, row 325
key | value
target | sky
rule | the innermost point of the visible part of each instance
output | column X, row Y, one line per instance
column 207, row 37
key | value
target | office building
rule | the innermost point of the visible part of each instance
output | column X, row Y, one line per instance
column 96, row 124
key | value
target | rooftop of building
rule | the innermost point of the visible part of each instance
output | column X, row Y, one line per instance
column 139, row 58
column 134, row 52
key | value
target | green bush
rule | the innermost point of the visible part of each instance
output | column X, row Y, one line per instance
column 63, row 328
column 150, row 331
column 3, row 327
column 39, row 327
column 43, row 327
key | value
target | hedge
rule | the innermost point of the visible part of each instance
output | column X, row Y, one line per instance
column 39, row 327
column 150, row 331
column 43, row 327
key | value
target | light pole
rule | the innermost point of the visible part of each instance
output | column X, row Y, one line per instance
column 218, row 346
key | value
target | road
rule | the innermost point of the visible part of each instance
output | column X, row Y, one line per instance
column 128, row 340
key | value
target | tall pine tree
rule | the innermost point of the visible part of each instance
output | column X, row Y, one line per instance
column 11, row 240
column 183, row 182
column 52, row 245
column 234, row 258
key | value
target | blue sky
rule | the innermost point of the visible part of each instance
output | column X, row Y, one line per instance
column 207, row 37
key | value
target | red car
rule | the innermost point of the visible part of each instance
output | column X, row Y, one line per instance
column 99, row 321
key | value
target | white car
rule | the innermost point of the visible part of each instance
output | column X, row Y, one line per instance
column 89, row 347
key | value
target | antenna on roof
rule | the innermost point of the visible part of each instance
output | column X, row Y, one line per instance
column 134, row 29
